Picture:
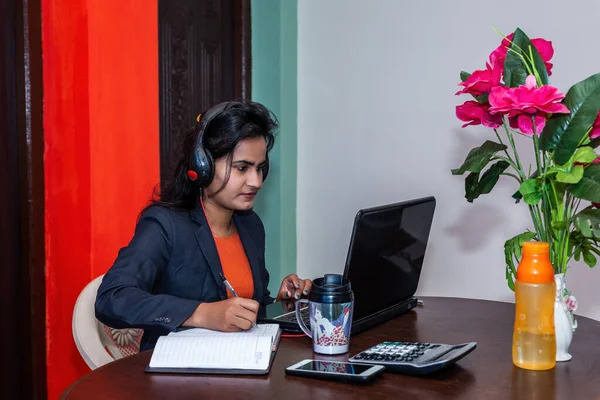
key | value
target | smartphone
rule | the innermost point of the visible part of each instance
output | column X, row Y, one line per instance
column 337, row 370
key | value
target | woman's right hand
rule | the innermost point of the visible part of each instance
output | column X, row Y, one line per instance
column 231, row 315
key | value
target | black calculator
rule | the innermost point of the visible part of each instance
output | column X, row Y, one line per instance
column 414, row 358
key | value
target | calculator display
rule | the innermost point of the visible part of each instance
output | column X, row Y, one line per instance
column 335, row 367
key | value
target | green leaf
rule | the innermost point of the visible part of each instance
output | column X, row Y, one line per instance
column 558, row 168
column 512, row 255
column 595, row 250
column 517, row 247
column 564, row 132
column 573, row 176
column 479, row 157
column 559, row 189
column 587, row 221
column 577, row 254
column 532, row 198
column 482, row 98
column 464, row 75
column 517, row 195
column 584, row 155
column 471, row 182
column 529, row 186
column 576, row 240
column 588, row 188
column 559, row 225
column 511, row 281
column 531, row 191
column 515, row 71
column 475, row 188
column 589, row 258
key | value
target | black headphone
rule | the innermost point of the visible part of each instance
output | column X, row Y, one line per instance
column 201, row 165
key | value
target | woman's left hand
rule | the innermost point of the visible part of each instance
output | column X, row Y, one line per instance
column 293, row 288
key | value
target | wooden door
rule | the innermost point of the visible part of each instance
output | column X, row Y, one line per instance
column 22, row 258
column 204, row 59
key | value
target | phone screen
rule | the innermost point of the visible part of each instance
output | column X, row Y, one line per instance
column 336, row 367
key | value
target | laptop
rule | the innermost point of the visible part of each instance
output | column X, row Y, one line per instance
column 384, row 262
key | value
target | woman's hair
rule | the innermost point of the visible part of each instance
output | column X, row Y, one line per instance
column 241, row 120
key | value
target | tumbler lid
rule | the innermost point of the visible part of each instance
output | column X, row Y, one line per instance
column 331, row 284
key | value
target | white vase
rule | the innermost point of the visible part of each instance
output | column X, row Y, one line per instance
column 564, row 324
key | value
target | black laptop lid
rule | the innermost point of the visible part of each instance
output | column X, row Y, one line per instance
column 386, row 254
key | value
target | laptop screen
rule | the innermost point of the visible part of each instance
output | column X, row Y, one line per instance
column 386, row 254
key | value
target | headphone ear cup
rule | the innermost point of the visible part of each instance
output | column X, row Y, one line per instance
column 201, row 168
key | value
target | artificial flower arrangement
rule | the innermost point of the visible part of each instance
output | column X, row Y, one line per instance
column 513, row 96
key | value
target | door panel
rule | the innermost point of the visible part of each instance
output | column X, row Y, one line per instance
column 204, row 58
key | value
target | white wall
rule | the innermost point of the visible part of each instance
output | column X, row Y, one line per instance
column 376, row 124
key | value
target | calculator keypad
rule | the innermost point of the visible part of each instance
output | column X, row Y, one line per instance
column 396, row 352
column 414, row 357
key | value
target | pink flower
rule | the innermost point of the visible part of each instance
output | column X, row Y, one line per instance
column 527, row 99
column 525, row 102
column 595, row 132
column 481, row 81
column 543, row 46
column 571, row 303
column 524, row 123
column 474, row 113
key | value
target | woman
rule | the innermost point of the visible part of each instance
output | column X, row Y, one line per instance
column 200, row 228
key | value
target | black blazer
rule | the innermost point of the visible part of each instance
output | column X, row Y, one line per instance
column 171, row 266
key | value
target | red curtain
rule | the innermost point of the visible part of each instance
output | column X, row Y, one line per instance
column 101, row 156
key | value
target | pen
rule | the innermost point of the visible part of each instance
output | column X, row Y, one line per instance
column 228, row 285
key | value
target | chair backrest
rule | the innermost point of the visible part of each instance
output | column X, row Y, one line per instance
column 97, row 343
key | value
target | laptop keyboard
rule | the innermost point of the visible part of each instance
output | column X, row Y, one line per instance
column 291, row 317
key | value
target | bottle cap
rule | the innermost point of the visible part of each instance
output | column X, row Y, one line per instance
column 536, row 247
column 535, row 270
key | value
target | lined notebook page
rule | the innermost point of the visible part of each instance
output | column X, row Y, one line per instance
column 245, row 352
column 270, row 330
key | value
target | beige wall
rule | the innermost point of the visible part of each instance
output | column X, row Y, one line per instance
column 376, row 84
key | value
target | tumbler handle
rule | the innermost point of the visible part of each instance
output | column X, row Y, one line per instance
column 299, row 318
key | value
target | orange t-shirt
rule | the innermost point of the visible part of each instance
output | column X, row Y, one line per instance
column 236, row 267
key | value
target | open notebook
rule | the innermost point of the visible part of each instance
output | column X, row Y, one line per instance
column 203, row 351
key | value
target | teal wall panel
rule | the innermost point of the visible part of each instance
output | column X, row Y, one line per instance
column 274, row 83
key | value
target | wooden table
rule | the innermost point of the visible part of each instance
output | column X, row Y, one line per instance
column 486, row 373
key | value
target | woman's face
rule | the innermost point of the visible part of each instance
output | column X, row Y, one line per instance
column 246, row 176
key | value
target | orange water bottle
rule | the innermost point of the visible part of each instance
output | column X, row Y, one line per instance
column 534, row 341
